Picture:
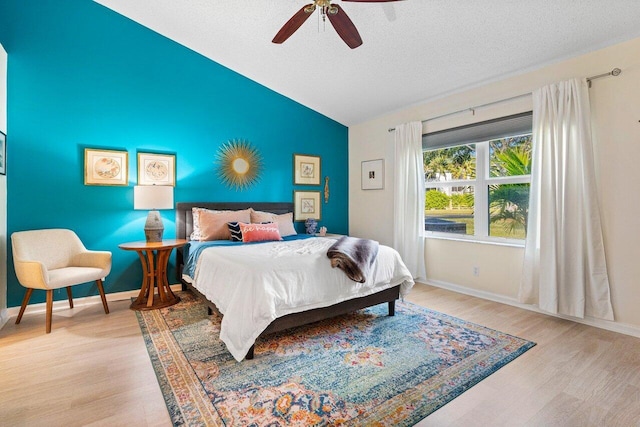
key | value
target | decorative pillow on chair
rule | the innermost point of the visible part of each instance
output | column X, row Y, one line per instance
column 234, row 229
column 284, row 221
column 213, row 224
column 260, row 232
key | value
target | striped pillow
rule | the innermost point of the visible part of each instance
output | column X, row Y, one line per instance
column 234, row 229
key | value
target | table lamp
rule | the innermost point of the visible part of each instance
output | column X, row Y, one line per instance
column 152, row 198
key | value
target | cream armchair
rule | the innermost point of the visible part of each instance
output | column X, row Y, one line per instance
column 56, row 258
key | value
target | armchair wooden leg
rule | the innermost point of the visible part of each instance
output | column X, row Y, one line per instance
column 25, row 301
column 49, row 309
column 70, row 296
column 102, row 295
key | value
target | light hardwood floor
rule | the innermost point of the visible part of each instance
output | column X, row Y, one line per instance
column 93, row 369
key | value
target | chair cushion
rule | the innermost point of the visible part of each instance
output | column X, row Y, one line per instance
column 68, row 276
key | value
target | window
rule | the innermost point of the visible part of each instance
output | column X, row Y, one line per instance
column 477, row 179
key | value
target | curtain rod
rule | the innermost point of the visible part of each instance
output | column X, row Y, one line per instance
column 615, row 72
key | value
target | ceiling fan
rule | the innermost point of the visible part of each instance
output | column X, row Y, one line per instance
column 338, row 18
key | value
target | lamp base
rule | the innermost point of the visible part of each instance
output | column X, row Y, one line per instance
column 153, row 228
column 153, row 235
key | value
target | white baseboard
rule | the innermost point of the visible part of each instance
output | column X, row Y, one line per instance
column 4, row 317
column 622, row 328
column 79, row 302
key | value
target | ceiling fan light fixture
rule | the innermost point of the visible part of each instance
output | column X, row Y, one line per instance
column 337, row 16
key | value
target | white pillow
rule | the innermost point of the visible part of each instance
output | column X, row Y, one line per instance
column 284, row 221
column 196, row 234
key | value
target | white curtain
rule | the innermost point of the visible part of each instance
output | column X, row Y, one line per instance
column 408, row 221
column 565, row 269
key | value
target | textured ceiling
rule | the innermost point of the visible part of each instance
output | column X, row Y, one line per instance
column 413, row 51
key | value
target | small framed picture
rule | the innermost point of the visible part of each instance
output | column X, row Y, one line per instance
column 373, row 174
column 106, row 167
column 306, row 169
column 306, row 205
column 3, row 154
column 156, row 169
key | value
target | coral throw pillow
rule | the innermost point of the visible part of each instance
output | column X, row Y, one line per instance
column 260, row 232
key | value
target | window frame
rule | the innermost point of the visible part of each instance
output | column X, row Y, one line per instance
column 480, row 184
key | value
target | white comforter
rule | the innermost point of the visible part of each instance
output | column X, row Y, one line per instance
column 254, row 284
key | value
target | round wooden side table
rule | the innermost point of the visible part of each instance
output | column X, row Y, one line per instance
column 154, row 257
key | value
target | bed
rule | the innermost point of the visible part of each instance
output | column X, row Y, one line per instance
column 212, row 277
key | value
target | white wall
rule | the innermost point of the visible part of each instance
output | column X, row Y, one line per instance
column 3, row 192
column 615, row 103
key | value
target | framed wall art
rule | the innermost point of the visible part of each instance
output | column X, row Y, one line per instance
column 306, row 205
column 3, row 154
column 106, row 167
column 156, row 169
column 306, row 169
column 373, row 174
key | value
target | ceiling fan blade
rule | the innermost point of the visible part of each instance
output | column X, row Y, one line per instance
column 344, row 27
column 294, row 23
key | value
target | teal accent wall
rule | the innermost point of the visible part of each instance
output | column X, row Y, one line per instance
column 80, row 75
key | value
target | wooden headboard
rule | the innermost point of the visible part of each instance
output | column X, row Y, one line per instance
column 184, row 218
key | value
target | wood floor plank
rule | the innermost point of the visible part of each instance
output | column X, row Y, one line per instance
column 93, row 369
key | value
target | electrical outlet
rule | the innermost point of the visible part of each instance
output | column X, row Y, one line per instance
column 476, row 271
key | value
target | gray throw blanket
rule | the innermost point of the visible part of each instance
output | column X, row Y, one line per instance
column 354, row 256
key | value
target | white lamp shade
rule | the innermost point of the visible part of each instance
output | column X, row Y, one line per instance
column 152, row 197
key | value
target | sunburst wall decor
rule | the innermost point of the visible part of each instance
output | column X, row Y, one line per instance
column 239, row 164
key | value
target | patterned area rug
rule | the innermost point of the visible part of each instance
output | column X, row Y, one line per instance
column 365, row 368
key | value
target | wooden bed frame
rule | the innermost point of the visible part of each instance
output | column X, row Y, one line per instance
column 184, row 227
